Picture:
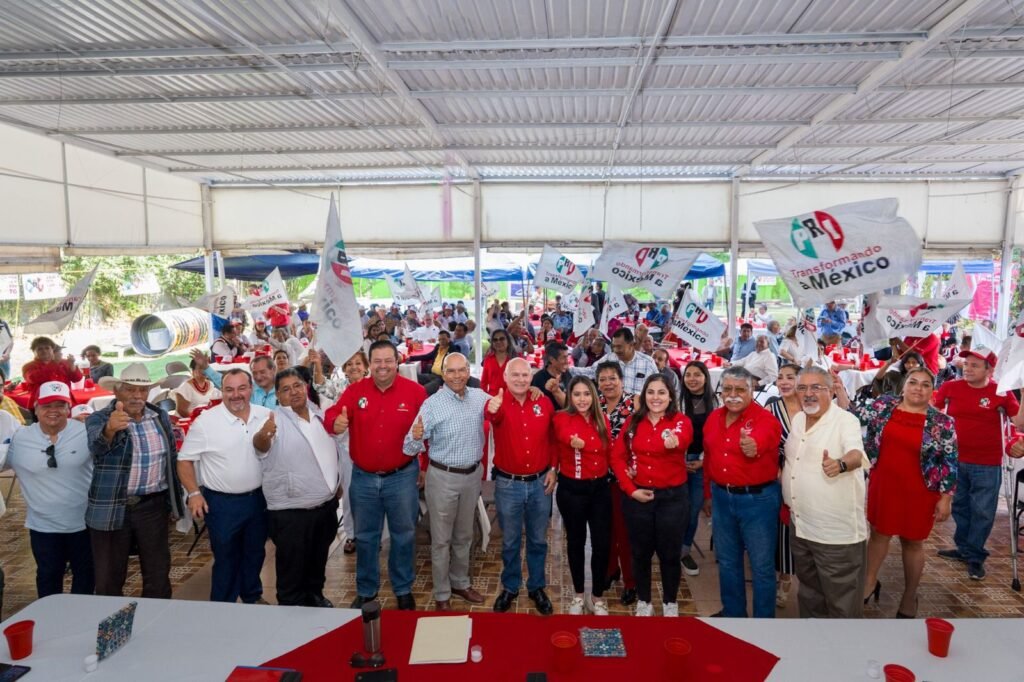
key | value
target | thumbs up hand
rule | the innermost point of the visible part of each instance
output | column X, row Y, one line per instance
column 417, row 429
column 118, row 421
column 494, row 404
column 747, row 444
column 341, row 423
column 576, row 443
column 828, row 465
column 269, row 427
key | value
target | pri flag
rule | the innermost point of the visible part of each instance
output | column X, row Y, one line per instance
column 807, row 335
column 696, row 325
column 271, row 294
column 433, row 301
column 335, row 311
column 842, row 251
column 658, row 269
column 54, row 320
column 918, row 317
column 1009, row 374
column 614, row 305
column 872, row 333
column 555, row 271
column 958, row 286
column 583, row 318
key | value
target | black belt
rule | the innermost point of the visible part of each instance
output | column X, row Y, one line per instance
column 383, row 474
column 745, row 489
column 254, row 491
column 136, row 500
column 516, row 477
column 454, row 470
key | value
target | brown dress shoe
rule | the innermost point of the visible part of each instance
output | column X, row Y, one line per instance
column 470, row 595
column 445, row 605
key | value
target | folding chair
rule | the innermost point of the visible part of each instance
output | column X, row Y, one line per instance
column 1013, row 479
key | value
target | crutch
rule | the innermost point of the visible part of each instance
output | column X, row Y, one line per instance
column 1010, row 492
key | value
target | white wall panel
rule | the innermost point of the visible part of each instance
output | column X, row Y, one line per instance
column 99, row 217
column 691, row 213
column 33, row 210
column 966, row 213
column 175, row 211
column 543, row 212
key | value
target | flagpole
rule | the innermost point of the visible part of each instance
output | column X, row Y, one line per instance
column 477, row 283
column 1006, row 274
column 734, row 254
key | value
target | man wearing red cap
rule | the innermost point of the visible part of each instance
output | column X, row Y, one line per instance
column 975, row 407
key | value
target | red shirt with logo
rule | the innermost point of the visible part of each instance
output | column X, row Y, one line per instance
column 522, row 435
column 975, row 413
column 378, row 421
column 590, row 461
column 724, row 461
column 656, row 466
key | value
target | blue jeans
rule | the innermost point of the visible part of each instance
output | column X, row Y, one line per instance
column 238, row 538
column 53, row 552
column 747, row 522
column 520, row 503
column 974, row 508
column 695, row 488
column 376, row 498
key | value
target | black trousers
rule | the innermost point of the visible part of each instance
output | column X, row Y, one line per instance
column 658, row 527
column 53, row 552
column 583, row 504
column 302, row 539
column 146, row 523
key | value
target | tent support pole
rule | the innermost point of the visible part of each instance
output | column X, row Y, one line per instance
column 1006, row 265
column 477, row 283
column 734, row 255
column 207, row 216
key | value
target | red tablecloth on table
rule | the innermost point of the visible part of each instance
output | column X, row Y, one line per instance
column 79, row 396
column 678, row 357
column 515, row 644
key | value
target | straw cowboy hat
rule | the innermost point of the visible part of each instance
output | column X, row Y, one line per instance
column 134, row 374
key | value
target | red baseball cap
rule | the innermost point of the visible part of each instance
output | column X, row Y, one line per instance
column 981, row 353
column 53, row 391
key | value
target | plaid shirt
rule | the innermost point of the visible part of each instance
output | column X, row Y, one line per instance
column 147, row 473
column 454, row 426
column 108, row 494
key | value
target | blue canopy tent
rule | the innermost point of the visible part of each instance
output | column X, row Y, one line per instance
column 704, row 266
column 256, row 268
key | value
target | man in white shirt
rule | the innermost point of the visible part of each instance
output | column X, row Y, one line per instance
column 227, row 491
column 460, row 314
column 283, row 340
column 824, row 488
column 762, row 363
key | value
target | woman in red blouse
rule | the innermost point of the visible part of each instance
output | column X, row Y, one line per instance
column 649, row 460
column 502, row 349
column 547, row 331
column 47, row 366
column 583, row 496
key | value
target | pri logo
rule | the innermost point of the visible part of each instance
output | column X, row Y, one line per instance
column 695, row 313
column 923, row 308
column 340, row 264
column 564, row 266
column 651, row 256
column 807, row 230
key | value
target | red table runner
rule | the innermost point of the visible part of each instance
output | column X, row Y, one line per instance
column 515, row 644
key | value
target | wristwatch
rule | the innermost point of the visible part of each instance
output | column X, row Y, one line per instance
column 842, row 467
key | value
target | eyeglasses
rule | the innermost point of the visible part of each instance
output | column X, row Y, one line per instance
column 815, row 388
column 51, row 456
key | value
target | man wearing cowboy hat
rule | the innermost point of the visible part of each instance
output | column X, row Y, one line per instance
column 975, row 407
column 134, row 486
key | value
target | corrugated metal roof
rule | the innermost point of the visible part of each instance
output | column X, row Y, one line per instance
column 275, row 90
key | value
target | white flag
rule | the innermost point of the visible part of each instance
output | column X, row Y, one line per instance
column 411, row 287
column 872, row 333
column 335, row 311
column 219, row 303
column 614, row 305
column 433, row 301
column 842, row 251
column 918, row 317
column 696, row 325
column 583, row 318
column 958, row 286
column 659, row 269
column 555, row 271
column 54, row 320
column 272, row 293
column 1009, row 372
column 807, row 335
column 487, row 292
column 570, row 301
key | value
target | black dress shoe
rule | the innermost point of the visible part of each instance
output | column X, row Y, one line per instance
column 541, row 601
column 406, row 602
column 322, row 602
column 628, row 596
column 358, row 602
column 504, row 601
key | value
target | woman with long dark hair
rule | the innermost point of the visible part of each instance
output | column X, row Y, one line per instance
column 649, row 460
column 698, row 400
column 890, row 381
column 784, row 407
column 582, row 433
column 500, row 352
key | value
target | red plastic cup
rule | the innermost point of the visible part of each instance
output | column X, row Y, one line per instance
column 677, row 655
column 565, row 651
column 897, row 673
column 89, row 383
column 19, row 638
column 939, row 633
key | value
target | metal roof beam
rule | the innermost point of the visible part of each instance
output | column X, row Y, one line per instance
column 177, row 70
column 194, row 52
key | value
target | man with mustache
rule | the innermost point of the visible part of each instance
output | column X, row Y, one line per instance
column 741, row 490
column 825, row 493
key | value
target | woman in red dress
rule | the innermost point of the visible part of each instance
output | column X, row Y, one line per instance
column 47, row 366
column 492, row 379
column 913, row 452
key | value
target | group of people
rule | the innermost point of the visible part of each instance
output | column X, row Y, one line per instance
column 631, row 450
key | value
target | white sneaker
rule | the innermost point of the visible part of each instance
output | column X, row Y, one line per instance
column 670, row 610
column 644, row 608
column 598, row 607
column 576, row 606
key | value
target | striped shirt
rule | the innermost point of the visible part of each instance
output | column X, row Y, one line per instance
column 149, row 453
column 454, row 425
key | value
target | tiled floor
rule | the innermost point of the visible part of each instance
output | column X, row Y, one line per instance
column 945, row 590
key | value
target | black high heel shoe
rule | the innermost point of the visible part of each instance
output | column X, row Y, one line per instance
column 900, row 614
column 876, row 593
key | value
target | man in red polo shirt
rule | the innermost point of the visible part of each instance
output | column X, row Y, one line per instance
column 975, row 408
column 378, row 411
column 524, row 479
column 742, row 494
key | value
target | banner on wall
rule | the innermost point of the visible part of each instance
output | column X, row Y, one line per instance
column 555, row 271
column 139, row 285
column 43, row 285
column 842, row 251
column 54, row 320
column 696, row 325
column 10, row 288
column 658, row 269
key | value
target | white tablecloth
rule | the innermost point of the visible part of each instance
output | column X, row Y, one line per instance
column 854, row 379
column 184, row 640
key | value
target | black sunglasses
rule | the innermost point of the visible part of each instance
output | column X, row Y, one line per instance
column 51, row 456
